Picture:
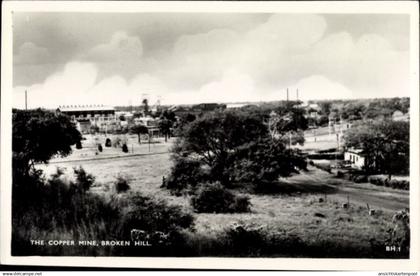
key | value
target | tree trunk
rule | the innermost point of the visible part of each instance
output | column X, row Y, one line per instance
column 139, row 138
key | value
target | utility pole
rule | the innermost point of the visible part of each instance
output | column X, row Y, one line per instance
column 26, row 100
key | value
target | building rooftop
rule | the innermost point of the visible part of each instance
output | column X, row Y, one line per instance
column 356, row 151
column 95, row 107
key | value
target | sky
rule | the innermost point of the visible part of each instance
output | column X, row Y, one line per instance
column 183, row 58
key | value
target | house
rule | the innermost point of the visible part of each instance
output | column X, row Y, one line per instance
column 356, row 157
column 86, row 116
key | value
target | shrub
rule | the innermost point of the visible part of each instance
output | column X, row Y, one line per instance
column 100, row 148
column 214, row 198
column 245, row 240
column 393, row 183
column 184, row 176
column 359, row 178
column 108, row 142
column 150, row 215
column 121, row 184
column 340, row 174
column 79, row 145
column 83, row 180
column 124, row 148
column 323, row 166
column 241, row 204
column 262, row 162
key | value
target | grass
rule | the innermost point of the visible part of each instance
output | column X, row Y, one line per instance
column 298, row 213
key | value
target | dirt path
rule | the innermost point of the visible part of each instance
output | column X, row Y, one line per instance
column 362, row 193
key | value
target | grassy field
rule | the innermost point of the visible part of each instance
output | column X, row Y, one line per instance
column 298, row 211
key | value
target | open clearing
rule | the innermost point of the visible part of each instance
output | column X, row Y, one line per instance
column 297, row 212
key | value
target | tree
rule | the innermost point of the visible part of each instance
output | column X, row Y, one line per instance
column 288, row 123
column 385, row 144
column 165, row 126
column 325, row 108
column 145, row 103
column 215, row 137
column 139, row 130
column 38, row 135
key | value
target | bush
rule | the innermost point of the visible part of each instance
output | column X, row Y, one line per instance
column 108, row 142
column 124, row 148
column 245, row 240
column 150, row 215
column 262, row 162
column 340, row 174
column 323, row 166
column 79, row 145
column 100, row 148
column 121, row 184
column 57, row 209
column 184, row 176
column 214, row 198
column 393, row 183
column 83, row 180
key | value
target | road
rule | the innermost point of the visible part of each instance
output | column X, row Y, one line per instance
column 361, row 193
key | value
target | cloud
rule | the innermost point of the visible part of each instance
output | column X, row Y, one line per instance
column 29, row 53
column 77, row 83
column 121, row 47
column 65, row 87
column 232, row 64
column 322, row 88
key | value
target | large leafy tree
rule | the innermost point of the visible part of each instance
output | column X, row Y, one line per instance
column 287, row 123
column 139, row 129
column 385, row 144
column 165, row 126
column 214, row 137
column 38, row 135
column 221, row 140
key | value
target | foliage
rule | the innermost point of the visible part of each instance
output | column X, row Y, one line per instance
column 84, row 180
column 69, row 209
column 261, row 162
column 215, row 136
column 214, row 198
column 165, row 126
column 79, row 145
column 183, row 121
column 393, row 183
column 139, row 129
column 151, row 215
column 384, row 143
column 125, row 148
column 108, row 142
column 121, row 184
column 38, row 135
column 185, row 175
column 100, row 148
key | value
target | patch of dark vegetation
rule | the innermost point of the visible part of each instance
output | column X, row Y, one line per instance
column 242, row 240
column 121, row 184
column 393, row 183
column 214, row 198
column 59, row 208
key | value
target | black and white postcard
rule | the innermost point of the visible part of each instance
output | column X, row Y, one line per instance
column 276, row 135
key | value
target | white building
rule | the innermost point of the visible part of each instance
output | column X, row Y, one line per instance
column 86, row 116
column 356, row 157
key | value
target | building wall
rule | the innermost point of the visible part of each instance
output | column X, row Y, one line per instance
column 356, row 160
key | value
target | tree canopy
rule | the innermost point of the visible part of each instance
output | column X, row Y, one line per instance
column 139, row 129
column 384, row 143
column 221, row 139
column 38, row 135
